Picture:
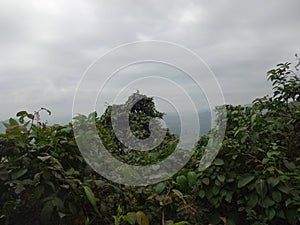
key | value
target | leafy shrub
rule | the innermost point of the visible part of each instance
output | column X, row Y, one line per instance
column 254, row 179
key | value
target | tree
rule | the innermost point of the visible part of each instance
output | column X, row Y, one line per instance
column 141, row 111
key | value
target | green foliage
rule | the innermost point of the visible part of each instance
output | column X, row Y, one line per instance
column 131, row 218
column 140, row 115
column 44, row 179
column 254, row 179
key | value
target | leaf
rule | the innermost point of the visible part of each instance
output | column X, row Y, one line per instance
column 72, row 208
column 267, row 202
column 273, row 181
column 253, row 118
column 46, row 212
column 120, row 210
column 215, row 190
column 116, row 220
column 13, row 122
column 201, row 193
column 221, row 178
column 90, row 195
column 182, row 182
column 284, row 188
column 141, row 218
column 180, row 223
column 261, row 187
column 19, row 188
column 61, row 215
column 50, row 184
column 192, row 178
column 245, row 180
column 243, row 139
column 132, row 217
column 218, row 162
column 289, row 165
column 18, row 173
column 276, row 195
column 205, row 180
column 160, row 187
column 270, row 213
column 47, row 110
column 44, row 158
column 289, row 202
column 253, row 200
column 228, row 197
column 129, row 219
column 3, row 174
column 58, row 203
column 30, row 116
column 21, row 113
column 72, row 172
column 39, row 191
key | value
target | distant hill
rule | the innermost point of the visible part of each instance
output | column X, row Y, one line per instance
column 172, row 121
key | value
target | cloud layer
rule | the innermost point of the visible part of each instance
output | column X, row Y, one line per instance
column 47, row 45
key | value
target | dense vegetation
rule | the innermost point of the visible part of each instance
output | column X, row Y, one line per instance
column 254, row 180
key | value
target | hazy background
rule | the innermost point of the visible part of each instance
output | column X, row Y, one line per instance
column 45, row 46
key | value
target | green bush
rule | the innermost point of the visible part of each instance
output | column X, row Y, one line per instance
column 254, row 179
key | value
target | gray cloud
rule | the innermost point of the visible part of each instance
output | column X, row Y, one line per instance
column 47, row 45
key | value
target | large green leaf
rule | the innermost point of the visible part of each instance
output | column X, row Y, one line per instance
column 13, row 122
column 160, row 187
column 276, row 195
column 90, row 195
column 253, row 200
column 221, row 178
column 46, row 212
column 243, row 181
column 192, row 178
column 284, row 188
column 18, row 173
column 228, row 196
column 182, row 182
column 273, row 181
column 289, row 165
column 261, row 187
column 270, row 213
column 267, row 202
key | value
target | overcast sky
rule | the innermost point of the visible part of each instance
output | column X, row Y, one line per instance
column 46, row 46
